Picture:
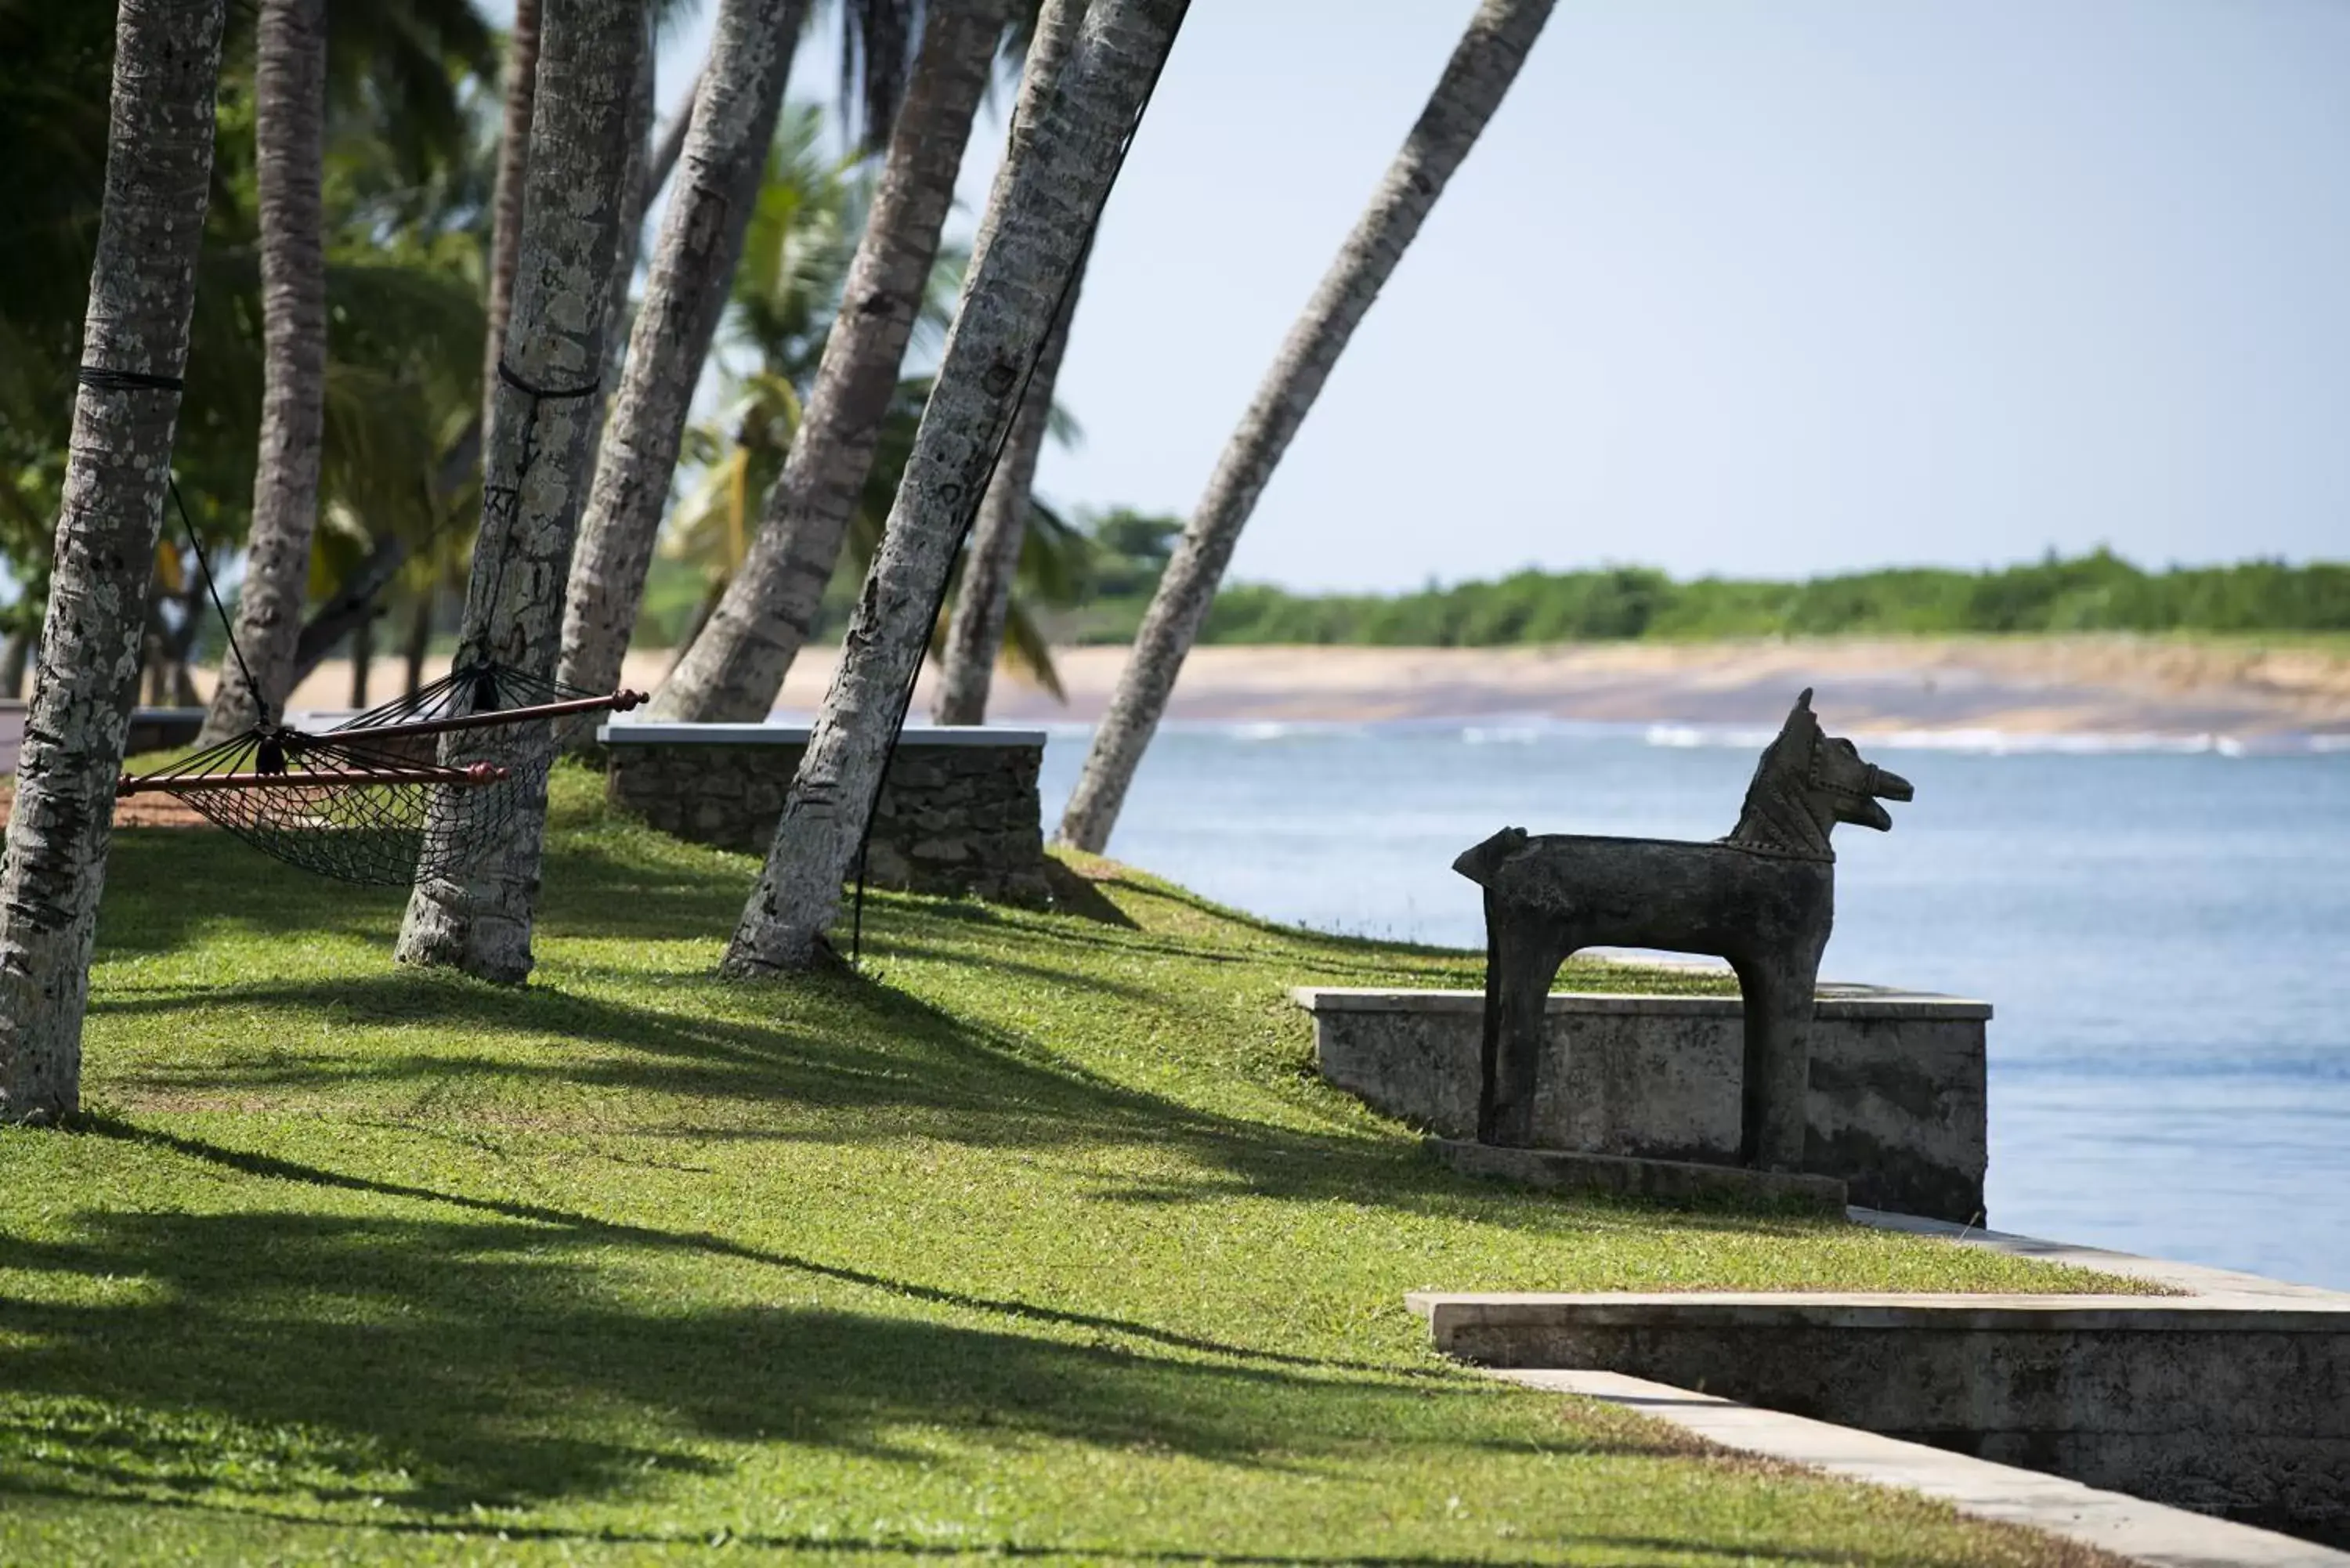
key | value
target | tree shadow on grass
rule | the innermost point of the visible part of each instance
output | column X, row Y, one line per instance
column 294, row 1368
column 858, row 1062
column 348, row 1536
column 1316, row 951
column 166, row 886
column 495, row 1361
column 855, row 1049
column 849, row 1046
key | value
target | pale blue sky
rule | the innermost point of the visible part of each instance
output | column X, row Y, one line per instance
column 1762, row 288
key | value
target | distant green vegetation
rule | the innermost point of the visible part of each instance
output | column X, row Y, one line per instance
column 2096, row 592
column 1113, row 560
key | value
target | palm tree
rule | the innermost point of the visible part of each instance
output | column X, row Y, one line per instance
column 733, row 125
column 1482, row 66
column 735, row 667
column 543, row 422
column 786, row 294
column 506, row 210
column 983, row 598
column 1064, row 163
column 290, row 142
column 134, row 347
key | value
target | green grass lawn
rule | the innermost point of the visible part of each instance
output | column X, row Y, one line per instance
column 1040, row 1240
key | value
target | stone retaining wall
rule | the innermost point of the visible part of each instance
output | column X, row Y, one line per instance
column 959, row 811
column 2236, row 1405
column 1897, row 1106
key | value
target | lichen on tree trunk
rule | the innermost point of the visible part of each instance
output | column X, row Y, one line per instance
column 290, row 115
column 536, row 477
column 733, row 121
column 142, row 294
column 1016, row 287
column 733, row 669
column 1482, row 66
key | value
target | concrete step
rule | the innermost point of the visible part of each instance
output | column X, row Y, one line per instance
column 2236, row 1405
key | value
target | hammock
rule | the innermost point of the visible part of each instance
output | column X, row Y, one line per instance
column 425, row 786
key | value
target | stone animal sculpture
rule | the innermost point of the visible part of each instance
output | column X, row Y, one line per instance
column 1762, row 898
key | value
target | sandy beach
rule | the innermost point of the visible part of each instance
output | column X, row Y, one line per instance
column 2089, row 685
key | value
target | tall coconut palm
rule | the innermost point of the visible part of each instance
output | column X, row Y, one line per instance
column 290, row 144
column 736, row 666
column 506, row 198
column 1482, row 66
column 631, row 245
column 733, row 124
column 1064, row 163
column 542, row 420
column 134, row 348
column 983, row 599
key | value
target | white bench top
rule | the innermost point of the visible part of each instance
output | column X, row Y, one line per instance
column 621, row 732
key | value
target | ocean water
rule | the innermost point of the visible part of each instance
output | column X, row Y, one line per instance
column 2162, row 924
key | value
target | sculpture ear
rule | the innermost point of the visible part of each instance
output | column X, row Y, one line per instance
column 1804, row 701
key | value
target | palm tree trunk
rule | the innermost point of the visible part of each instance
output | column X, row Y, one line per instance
column 180, row 642
column 362, row 660
column 536, row 469
column 733, row 669
column 1064, row 163
column 420, row 640
column 671, row 146
column 13, row 660
column 507, row 194
column 631, row 243
column 1482, row 67
column 356, row 595
column 142, row 292
column 975, row 633
column 983, row 602
column 732, row 122
column 289, row 133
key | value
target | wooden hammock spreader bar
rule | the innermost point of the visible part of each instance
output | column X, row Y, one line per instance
column 192, row 784
column 619, row 703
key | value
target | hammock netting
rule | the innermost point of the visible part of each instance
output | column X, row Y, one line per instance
column 426, row 786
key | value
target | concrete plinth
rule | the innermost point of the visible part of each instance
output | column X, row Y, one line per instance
column 1897, row 1106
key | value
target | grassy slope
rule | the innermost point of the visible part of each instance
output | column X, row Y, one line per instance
column 1047, row 1242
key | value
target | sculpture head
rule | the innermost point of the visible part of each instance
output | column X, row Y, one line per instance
column 1808, row 782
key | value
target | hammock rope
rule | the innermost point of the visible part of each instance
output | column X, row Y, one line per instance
column 425, row 786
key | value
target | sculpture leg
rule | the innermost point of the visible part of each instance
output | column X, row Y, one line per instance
column 1778, row 1068
column 1523, row 952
